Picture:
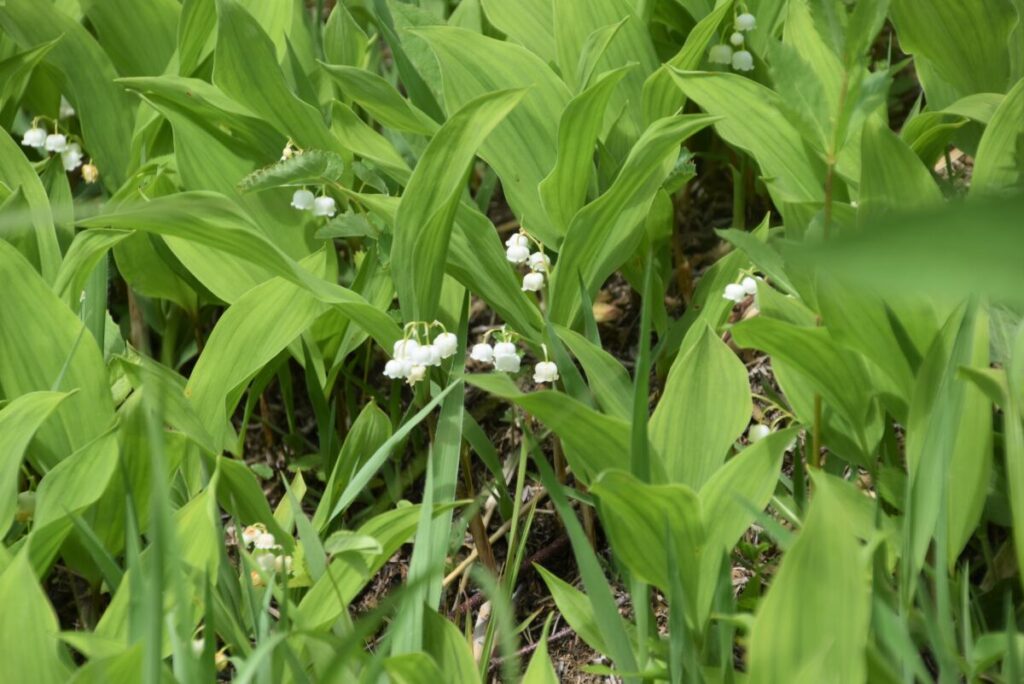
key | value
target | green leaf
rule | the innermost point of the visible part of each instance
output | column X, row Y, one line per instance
column 705, row 407
column 638, row 517
column 382, row 101
column 139, row 38
column 19, row 420
column 28, row 633
column 522, row 148
column 86, row 251
column 999, row 164
column 608, row 380
column 423, row 224
column 892, row 176
column 443, row 641
column 528, row 22
column 593, row 441
column 564, row 191
column 1014, row 438
column 604, row 234
column 16, row 70
column 540, row 671
column 69, row 360
column 813, row 624
column 105, row 111
column 963, row 43
column 312, row 167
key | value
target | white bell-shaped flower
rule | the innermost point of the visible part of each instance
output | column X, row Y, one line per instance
column 743, row 61
column 266, row 562
column 404, row 349
column 250, row 533
column 540, row 262
column 720, row 54
column 482, row 352
column 746, row 22
column 71, row 157
column 434, row 355
column 56, row 142
column 417, row 373
column 517, row 254
column 34, row 137
column 517, row 240
column 734, row 292
column 303, row 200
column 265, row 541
column 545, row 371
column 447, row 344
column 758, row 432
column 66, row 110
column 749, row 286
column 533, row 282
column 397, row 368
column 506, row 357
column 324, row 206
column 283, row 564
column 421, row 355
column 736, row 39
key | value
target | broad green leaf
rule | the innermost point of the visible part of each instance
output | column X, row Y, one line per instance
column 639, row 518
column 85, row 252
column 312, row 167
column 813, row 624
column 528, row 22
column 344, row 40
column 522, row 148
column 70, row 360
column 752, row 121
column 246, row 69
column 540, row 671
column 892, row 176
column 576, row 608
column 608, row 380
column 604, row 233
column 999, row 165
column 139, row 38
column 1014, row 437
column 728, row 501
column 704, row 408
column 963, row 43
column 39, row 246
column 413, row 668
column 105, row 111
column 382, row 101
column 443, row 641
column 564, row 191
column 19, row 420
column 593, row 441
column 16, row 70
column 29, row 644
column 423, row 224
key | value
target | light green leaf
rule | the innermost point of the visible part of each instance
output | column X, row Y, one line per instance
column 528, row 22
column 423, row 224
column 312, row 167
column 608, row 380
column 892, row 176
column 999, row 165
column 28, row 633
column 705, row 407
column 139, row 38
column 539, row 670
column 382, row 101
column 41, row 246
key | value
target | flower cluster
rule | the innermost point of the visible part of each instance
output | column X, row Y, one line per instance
column 737, row 292
column 70, row 151
column 734, row 53
column 518, row 252
column 304, row 200
column 266, row 552
column 505, row 357
column 413, row 354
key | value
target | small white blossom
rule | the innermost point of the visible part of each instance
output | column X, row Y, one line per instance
column 303, row 200
column 749, row 286
column 447, row 344
column 283, row 564
column 266, row 561
column 252, row 532
column 517, row 254
column 539, row 261
column 397, row 368
column 404, row 349
column 545, row 371
column 736, row 39
column 746, row 22
column 506, row 357
column 743, row 61
column 734, row 292
column 720, row 54
column 517, row 240
column 758, row 432
column 417, row 373
column 34, row 137
column 90, row 174
column 265, row 541
column 533, row 282
column 421, row 355
column 434, row 355
column 55, row 142
column 324, row 206
column 71, row 157
column 66, row 110
column 482, row 352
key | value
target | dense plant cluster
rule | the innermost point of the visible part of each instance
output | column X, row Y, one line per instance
column 512, row 340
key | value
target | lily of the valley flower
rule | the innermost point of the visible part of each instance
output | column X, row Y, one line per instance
column 303, row 200
column 324, row 206
column 720, row 54
column 734, row 292
column 482, row 352
column 746, row 22
column 412, row 357
column 736, row 39
column 749, row 286
column 540, row 262
column 743, row 61
column 758, row 432
column 66, row 110
column 533, row 281
column 34, row 137
column 518, row 250
column 506, row 357
column 545, row 371
column 447, row 344
column 90, row 174
column 56, row 142
column 71, row 157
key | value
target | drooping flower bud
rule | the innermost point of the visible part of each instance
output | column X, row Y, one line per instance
column 533, row 282
column 517, row 254
column 482, row 352
column 34, row 137
column 545, row 371
column 417, row 373
column 447, row 344
column 746, row 22
column 90, row 174
column 734, row 292
column 743, row 61
column 71, row 157
column 758, row 432
column 506, row 357
column 539, row 261
column 324, row 206
column 736, row 39
column 749, row 286
column 720, row 54
column 55, row 142
column 303, row 200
